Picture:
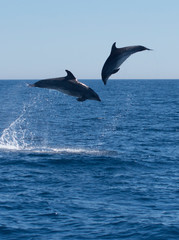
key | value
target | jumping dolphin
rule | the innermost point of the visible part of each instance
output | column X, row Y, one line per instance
column 68, row 85
column 116, row 58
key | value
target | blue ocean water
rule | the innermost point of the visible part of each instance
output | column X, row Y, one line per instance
column 90, row 170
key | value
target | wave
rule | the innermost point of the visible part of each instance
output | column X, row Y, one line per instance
column 57, row 150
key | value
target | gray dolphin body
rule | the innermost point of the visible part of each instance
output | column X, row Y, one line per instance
column 68, row 85
column 116, row 58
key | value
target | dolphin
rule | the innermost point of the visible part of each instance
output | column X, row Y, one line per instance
column 116, row 58
column 70, row 86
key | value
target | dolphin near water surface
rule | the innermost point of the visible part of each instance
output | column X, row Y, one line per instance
column 70, row 86
column 116, row 58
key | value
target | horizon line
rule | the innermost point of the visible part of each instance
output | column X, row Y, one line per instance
column 36, row 79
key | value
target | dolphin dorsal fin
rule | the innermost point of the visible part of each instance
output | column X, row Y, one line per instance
column 113, row 49
column 70, row 75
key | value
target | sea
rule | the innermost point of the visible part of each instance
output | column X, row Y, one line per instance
column 74, row 170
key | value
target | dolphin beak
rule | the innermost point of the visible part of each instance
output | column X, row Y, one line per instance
column 149, row 49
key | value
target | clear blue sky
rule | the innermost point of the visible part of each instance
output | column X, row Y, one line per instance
column 42, row 38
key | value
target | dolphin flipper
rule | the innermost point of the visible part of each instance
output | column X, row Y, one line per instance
column 115, row 70
column 81, row 99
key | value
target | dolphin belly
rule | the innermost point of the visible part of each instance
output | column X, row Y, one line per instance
column 69, row 92
column 121, row 60
column 73, row 89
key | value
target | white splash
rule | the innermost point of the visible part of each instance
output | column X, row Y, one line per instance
column 13, row 136
column 18, row 136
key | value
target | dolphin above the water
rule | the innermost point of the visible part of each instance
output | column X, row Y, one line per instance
column 116, row 58
column 68, row 85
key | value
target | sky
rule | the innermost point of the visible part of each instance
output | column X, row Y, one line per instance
column 41, row 38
